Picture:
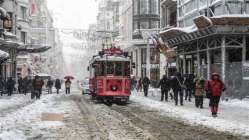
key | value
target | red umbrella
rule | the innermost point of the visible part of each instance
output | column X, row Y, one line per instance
column 68, row 77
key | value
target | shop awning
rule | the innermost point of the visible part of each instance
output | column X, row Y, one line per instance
column 33, row 49
column 206, row 26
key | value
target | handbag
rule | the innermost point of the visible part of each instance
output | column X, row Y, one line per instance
column 209, row 91
column 181, row 85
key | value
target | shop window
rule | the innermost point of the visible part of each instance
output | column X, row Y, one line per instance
column 154, row 56
column 144, row 25
column 247, row 48
column 234, row 55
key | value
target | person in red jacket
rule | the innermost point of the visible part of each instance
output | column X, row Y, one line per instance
column 214, row 87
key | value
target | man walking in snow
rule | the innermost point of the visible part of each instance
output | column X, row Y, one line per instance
column 50, row 84
column 37, row 86
column 177, row 86
column 190, row 85
column 10, row 86
column 146, row 83
column 214, row 88
column 165, row 86
column 57, row 85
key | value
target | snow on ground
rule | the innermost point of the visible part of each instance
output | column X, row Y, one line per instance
column 233, row 115
column 16, row 99
column 18, row 124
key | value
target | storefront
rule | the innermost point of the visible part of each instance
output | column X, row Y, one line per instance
column 213, row 47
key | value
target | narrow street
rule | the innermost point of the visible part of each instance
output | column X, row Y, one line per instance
column 85, row 119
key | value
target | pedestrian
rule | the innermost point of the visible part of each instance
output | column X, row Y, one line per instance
column 190, row 85
column 37, row 84
column 214, row 88
column 20, row 85
column 178, row 87
column 146, row 83
column 10, row 86
column 57, row 85
column 25, row 85
column 2, row 85
column 49, row 85
column 165, row 86
column 68, row 86
column 199, row 92
column 139, row 85
column 133, row 82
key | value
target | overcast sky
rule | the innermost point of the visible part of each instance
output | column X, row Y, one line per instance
column 73, row 13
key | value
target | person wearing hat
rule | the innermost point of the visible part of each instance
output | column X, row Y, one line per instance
column 214, row 89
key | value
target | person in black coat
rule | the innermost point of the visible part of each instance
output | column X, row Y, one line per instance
column 165, row 87
column 50, row 84
column 190, row 86
column 2, row 86
column 57, row 85
column 10, row 86
column 146, row 83
column 176, row 84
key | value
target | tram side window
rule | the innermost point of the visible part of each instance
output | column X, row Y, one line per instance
column 99, row 69
column 127, row 69
column 110, row 67
column 118, row 69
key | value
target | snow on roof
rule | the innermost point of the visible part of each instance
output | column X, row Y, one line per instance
column 172, row 32
column 235, row 19
column 111, row 58
column 3, row 54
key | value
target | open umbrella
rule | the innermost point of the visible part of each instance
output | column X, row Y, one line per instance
column 68, row 77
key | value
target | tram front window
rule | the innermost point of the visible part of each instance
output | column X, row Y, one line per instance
column 118, row 68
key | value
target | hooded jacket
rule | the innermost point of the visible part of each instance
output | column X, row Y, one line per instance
column 216, row 86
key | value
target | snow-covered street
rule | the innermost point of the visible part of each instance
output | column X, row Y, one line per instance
column 143, row 118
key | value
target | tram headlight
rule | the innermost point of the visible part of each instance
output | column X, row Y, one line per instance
column 114, row 88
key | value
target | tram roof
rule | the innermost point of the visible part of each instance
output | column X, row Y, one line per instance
column 110, row 58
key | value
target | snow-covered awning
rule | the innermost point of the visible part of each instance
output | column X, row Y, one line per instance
column 33, row 48
column 205, row 26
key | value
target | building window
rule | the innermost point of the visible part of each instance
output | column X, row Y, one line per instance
column 234, row 7
column 135, row 25
column 154, row 24
column 135, row 7
column 155, row 7
column 191, row 5
column 144, row 25
column 218, row 10
column 144, row 6
column 144, row 55
column 23, row 12
column 23, row 37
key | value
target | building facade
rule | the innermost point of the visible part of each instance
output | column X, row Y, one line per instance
column 212, row 36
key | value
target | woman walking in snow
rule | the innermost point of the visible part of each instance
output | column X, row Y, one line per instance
column 214, row 89
column 199, row 92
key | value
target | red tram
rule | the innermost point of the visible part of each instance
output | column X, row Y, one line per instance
column 110, row 76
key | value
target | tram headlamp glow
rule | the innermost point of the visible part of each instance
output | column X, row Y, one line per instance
column 114, row 88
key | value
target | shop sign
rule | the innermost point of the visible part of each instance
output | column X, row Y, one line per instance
column 246, row 71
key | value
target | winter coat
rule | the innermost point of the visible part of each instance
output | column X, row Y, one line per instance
column 50, row 83
column 164, row 84
column 200, row 88
column 176, row 82
column 216, row 86
column 10, row 84
column 58, row 84
column 68, row 84
column 37, row 84
column 189, row 82
column 146, row 82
